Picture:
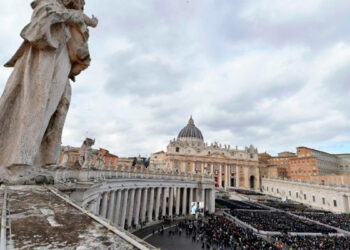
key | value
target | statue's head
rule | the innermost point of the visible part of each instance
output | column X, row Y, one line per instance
column 74, row 4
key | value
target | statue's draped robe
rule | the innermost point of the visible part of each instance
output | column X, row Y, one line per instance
column 37, row 95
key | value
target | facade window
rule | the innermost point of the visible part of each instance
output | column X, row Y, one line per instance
column 335, row 203
column 267, row 188
column 177, row 150
column 278, row 191
column 290, row 193
column 323, row 201
column 297, row 195
column 313, row 198
column 271, row 189
column 304, row 196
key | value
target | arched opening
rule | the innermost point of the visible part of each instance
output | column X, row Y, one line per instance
column 252, row 182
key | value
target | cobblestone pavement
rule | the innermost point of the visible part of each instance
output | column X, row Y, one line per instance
column 176, row 242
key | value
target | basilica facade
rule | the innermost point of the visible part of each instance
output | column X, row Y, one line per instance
column 189, row 154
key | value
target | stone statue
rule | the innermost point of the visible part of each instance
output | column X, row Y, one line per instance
column 100, row 162
column 34, row 104
column 86, row 154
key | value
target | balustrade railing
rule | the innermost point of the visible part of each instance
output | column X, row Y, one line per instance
column 101, row 175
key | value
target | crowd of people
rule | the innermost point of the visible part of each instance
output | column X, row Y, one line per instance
column 247, row 192
column 233, row 204
column 218, row 233
column 279, row 222
column 314, row 242
column 289, row 206
column 336, row 220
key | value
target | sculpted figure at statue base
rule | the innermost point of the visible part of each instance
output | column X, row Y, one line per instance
column 35, row 102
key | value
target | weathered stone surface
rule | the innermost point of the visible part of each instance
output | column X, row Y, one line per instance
column 41, row 220
column 35, row 102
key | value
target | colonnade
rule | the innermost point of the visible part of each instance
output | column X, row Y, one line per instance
column 129, row 207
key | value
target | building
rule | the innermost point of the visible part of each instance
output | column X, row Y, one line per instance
column 275, row 166
column 189, row 154
column 87, row 157
column 311, row 162
column 333, row 198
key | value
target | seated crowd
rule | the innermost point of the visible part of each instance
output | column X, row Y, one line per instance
column 279, row 222
column 336, row 220
column 289, row 206
column 314, row 242
column 233, row 204
column 247, row 192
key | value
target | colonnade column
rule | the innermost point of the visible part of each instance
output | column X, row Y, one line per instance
column 131, row 207
column 178, row 194
column 137, row 206
column 151, row 204
column 184, row 201
column 111, row 206
column 117, row 207
column 104, row 205
column 171, row 201
column 97, row 204
column 164, row 202
column 237, row 176
column 190, row 199
column 202, row 168
column 125, row 203
column 212, row 201
column 156, row 210
column 144, row 205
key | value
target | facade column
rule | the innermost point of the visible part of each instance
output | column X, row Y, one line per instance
column 177, row 209
column 257, row 177
column 171, row 201
column 202, row 168
column 184, row 201
column 124, row 206
column 246, row 177
column 111, row 206
column 226, row 176
column 117, row 207
column 193, row 167
column 137, row 206
column 183, row 166
column 104, row 205
column 151, row 204
column 211, row 168
column 237, row 177
column 156, row 210
column 190, row 199
column 220, row 176
column 164, row 202
column 131, row 207
column 144, row 205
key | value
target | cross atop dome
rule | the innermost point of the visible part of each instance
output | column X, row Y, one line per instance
column 190, row 121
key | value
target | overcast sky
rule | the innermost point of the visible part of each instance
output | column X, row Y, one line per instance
column 272, row 73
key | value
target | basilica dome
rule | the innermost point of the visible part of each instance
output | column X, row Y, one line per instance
column 190, row 131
